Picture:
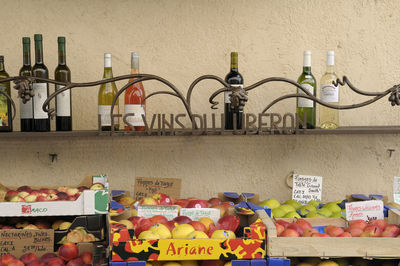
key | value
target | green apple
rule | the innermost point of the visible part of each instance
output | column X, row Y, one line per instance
column 324, row 212
column 278, row 212
column 292, row 215
column 287, row 208
column 332, row 206
column 295, row 204
column 270, row 203
column 313, row 214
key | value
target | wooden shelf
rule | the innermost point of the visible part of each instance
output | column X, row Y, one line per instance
column 95, row 133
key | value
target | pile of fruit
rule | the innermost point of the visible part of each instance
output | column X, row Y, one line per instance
column 158, row 227
column 313, row 209
column 68, row 254
column 356, row 228
column 163, row 199
column 27, row 194
column 190, row 263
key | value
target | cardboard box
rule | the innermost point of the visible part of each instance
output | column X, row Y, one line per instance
column 250, row 246
column 89, row 202
column 328, row 247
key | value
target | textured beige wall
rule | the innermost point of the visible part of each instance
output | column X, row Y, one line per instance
column 181, row 40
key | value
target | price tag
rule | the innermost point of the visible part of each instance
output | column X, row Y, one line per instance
column 396, row 189
column 196, row 213
column 306, row 188
column 148, row 211
column 364, row 210
column 18, row 242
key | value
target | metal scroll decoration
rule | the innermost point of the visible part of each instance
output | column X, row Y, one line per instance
column 238, row 95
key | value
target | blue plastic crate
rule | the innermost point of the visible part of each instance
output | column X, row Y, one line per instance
column 278, row 262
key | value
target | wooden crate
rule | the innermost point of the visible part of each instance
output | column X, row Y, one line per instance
column 328, row 247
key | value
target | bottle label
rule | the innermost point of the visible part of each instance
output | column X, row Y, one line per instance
column 329, row 93
column 138, row 110
column 105, row 114
column 4, row 112
column 26, row 109
column 227, row 94
column 302, row 102
column 63, row 102
column 40, row 90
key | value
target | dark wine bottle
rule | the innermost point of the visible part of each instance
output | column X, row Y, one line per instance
column 41, row 89
column 26, row 109
column 234, row 78
column 5, row 104
column 63, row 100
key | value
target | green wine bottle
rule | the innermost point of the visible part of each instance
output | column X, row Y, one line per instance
column 305, row 107
column 107, row 92
column 5, row 104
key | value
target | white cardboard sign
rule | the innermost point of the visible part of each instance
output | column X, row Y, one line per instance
column 364, row 210
column 396, row 189
column 306, row 188
column 148, row 211
column 196, row 213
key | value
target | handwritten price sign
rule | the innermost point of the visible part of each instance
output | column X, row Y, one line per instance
column 306, row 188
column 396, row 189
column 364, row 210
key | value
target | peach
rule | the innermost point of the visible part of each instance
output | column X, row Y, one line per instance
column 48, row 256
column 87, row 257
column 7, row 259
column 28, row 258
column 68, row 251
column 75, row 262
column 15, row 262
column 37, row 263
column 55, row 262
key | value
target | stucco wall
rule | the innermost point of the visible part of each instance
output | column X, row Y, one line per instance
column 181, row 40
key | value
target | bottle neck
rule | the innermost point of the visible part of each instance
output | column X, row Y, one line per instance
column 330, row 68
column 135, row 65
column 2, row 69
column 307, row 69
column 26, row 54
column 61, row 53
column 107, row 72
column 234, row 62
column 38, row 52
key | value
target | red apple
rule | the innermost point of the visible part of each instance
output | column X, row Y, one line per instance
column 37, row 263
column 144, row 225
column 75, row 262
column 279, row 229
column 374, row 230
column 333, row 231
column 182, row 202
column 197, row 204
column 48, row 256
column 214, row 201
column 345, row 234
column 159, row 219
column 28, row 258
column 24, row 188
column 391, row 230
column 290, row 233
column 10, row 194
column 296, row 227
column 44, row 190
column 55, row 262
column 228, row 222
column 282, row 222
column 171, row 225
column 304, row 224
column 182, row 219
column 162, row 199
column 7, row 259
column 309, row 232
column 82, row 188
column 380, row 223
column 41, row 198
column 15, row 262
column 198, row 226
column 87, row 257
column 68, row 251
column 62, row 196
column 135, row 220
column 358, row 223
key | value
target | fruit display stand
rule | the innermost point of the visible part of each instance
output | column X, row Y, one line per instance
column 331, row 247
